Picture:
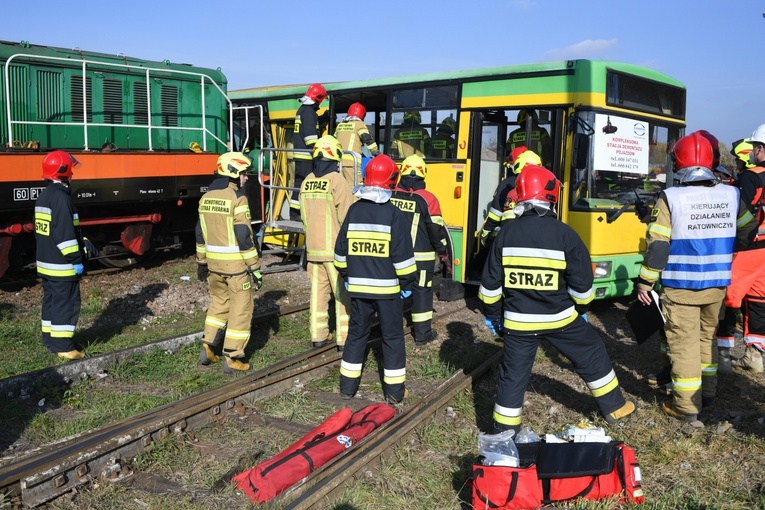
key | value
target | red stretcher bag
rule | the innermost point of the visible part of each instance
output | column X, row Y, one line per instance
column 337, row 433
column 558, row 472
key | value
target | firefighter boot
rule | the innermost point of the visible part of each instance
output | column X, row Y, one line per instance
column 669, row 409
column 659, row 378
column 627, row 409
column 723, row 361
column 207, row 356
column 232, row 365
column 322, row 343
column 752, row 360
column 75, row 354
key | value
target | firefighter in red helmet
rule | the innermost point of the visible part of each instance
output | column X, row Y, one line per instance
column 60, row 256
column 354, row 136
column 308, row 129
column 374, row 255
column 692, row 252
column 227, row 259
column 537, row 284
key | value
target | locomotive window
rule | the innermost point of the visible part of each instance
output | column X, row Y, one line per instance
column 112, row 101
column 49, row 100
column 76, row 99
column 169, row 105
column 140, row 104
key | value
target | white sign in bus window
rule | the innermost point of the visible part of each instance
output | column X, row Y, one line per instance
column 621, row 145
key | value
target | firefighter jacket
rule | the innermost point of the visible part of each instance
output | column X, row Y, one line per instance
column 442, row 145
column 417, row 185
column 751, row 182
column 538, row 275
column 324, row 201
column 307, row 130
column 499, row 208
column 352, row 133
column 691, row 240
column 224, row 232
column 374, row 252
column 57, row 232
column 540, row 142
column 411, row 138
column 427, row 237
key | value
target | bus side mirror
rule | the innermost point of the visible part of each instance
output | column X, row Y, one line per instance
column 581, row 150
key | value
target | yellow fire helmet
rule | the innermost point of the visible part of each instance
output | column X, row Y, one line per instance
column 415, row 166
column 527, row 157
column 233, row 164
column 328, row 147
column 741, row 149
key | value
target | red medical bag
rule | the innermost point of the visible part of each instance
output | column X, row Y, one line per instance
column 556, row 472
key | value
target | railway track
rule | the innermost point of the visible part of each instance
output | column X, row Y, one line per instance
column 56, row 469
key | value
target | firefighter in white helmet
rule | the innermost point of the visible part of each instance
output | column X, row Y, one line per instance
column 324, row 201
column 227, row 259
column 537, row 284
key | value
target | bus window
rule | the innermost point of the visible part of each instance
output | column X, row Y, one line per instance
column 532, row 131
column 627, row 161
column 423, row 122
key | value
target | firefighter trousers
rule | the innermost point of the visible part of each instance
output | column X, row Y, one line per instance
column 422, row 301
column 230, row 310
column 747, row 290
column 390, row 313
column 580, row 344
column 690, row 330
column 60, row 312
column 325, row 283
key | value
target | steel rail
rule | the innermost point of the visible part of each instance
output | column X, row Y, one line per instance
column 323, row 486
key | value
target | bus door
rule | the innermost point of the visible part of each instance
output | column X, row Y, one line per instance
column 487, row 170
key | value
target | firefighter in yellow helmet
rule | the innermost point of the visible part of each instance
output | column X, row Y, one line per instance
column 741, row 150
column 411, row 137
column 428, row 239
column 227, row 259
column 324, row 201
column 501, row 209
column 353, row 135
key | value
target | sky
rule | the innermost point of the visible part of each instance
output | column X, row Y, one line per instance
column 715, row 48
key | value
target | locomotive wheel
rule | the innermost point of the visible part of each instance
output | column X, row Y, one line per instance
column 117, row 256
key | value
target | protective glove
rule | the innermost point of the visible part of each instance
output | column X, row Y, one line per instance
column 584, row 316
column 90, row 248
column 446, row 263
column 405, row 294
column 346, row 285
column 494, row 325
column 79, row 269
column 202, row 272
column 257, row 278
column 484, row 237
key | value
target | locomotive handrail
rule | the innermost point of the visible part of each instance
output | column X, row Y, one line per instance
column 148, row 127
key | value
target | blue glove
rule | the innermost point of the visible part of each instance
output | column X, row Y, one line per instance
column 494, row 325
column 584, row 316
column 346, row 285
column 405, row 294
column 79, row 269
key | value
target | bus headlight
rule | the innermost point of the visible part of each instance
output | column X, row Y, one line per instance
column 601, row 269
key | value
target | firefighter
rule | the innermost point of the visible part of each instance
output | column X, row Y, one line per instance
column 690, row 244
column 539, row 141
column 429, row 240
column 443, row 145
column 410, row 138
column 308, row 128
column 374, row 256
column 740, row 151
column 227, row 259
column 354, row 136
column 537, row 284
column 324, row 202
column 747, row 286
column 60, row 256
column 501, row 209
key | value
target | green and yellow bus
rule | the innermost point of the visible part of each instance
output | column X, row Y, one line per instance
column 610, row 126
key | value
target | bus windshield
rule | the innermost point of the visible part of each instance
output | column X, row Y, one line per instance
column 619, row 160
